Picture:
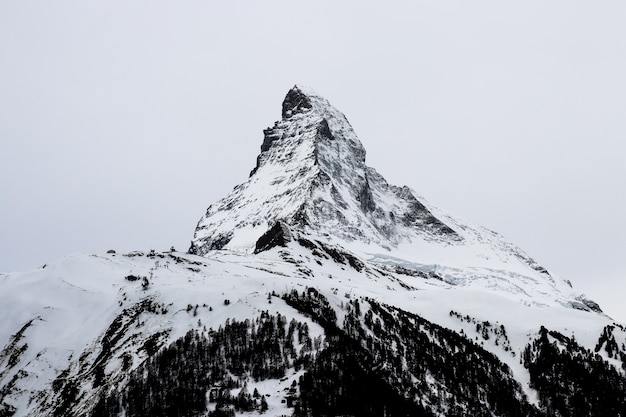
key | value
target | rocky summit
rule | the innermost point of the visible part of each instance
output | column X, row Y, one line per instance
column 311, row 175
column 315, row 288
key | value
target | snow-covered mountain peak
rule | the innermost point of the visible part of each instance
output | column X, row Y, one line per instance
column 311, row 181
column 301, row 99
column 311, row 174
column 319, row 127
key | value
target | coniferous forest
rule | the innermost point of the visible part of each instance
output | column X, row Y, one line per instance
column 572, row 380
column 381, row 361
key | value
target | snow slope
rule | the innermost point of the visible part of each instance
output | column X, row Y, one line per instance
column 72, row 304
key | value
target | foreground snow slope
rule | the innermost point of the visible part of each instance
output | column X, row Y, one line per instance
column 63, row 312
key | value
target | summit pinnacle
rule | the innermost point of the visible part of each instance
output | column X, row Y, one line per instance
column 295, row 101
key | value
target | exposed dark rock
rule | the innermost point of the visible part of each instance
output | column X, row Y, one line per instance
column 13, row 350
column 540, row 269
column 323, row 130
column 277, row 235
column 7, row 410
column 269, row 136
column 116, row 332
column 301, row 218
column 414, row 272
column 295, row 102
column 323, row 250
column 217, row 243
column 419, row 216
column 366, row 198
column 132, row 278
column 307, row 243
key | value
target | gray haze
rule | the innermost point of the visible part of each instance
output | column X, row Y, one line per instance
column 121, row 121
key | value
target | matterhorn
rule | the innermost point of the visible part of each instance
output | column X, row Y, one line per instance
column 315, row 288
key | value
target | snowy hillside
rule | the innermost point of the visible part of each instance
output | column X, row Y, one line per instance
column 315, row 288
column 85, row 319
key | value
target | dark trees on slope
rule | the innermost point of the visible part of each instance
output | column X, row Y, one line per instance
column 175, row 381
column 381, row 361
column 381, row 365
column 571, row 380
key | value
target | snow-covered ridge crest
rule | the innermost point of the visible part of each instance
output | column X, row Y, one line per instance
column 311, row 174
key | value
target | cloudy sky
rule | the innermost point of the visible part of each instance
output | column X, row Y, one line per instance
column 121, row 121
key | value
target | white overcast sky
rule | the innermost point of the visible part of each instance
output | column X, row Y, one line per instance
column 122, row 121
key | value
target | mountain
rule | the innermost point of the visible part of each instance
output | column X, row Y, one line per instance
column 311, row 175
column 311, row 178
column 315, row 288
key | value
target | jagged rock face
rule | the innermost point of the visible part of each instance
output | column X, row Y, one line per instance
column 311, row 174
column 278, row 235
